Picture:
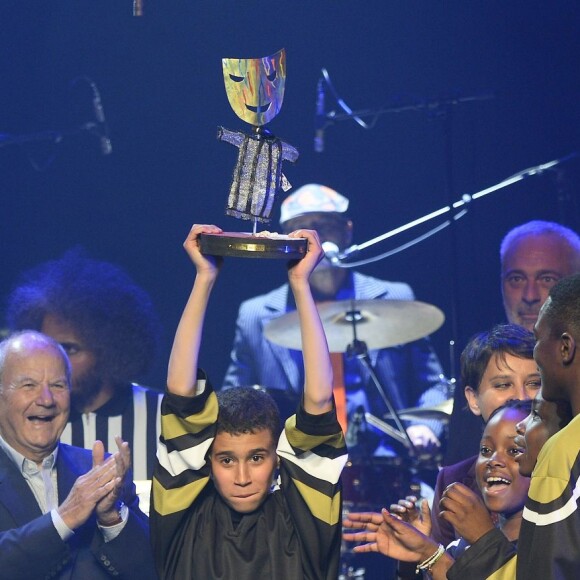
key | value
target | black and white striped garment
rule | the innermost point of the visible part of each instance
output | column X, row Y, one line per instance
column 134, row 414
column 295, row 534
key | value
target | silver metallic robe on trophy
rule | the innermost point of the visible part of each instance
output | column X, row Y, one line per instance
column 257, row 176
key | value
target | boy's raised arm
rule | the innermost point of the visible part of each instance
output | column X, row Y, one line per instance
column 182, row 370
column 317, row 366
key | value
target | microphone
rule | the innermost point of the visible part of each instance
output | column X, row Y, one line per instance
column 336, row 256
column 331, row 252
column 103, row 129
column 320, row 118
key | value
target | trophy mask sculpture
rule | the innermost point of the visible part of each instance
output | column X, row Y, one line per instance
column 255, row 86
column 255, row 90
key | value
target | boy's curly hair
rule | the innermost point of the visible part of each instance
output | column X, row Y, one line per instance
column 247, row 410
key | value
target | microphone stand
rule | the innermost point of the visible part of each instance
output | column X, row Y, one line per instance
column 444, row 107
column 450, row 187
column 398, row 105
column 54, row 136
column 461, row 204
column 441, row 105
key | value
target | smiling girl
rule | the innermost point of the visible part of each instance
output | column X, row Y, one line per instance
column 503, row 489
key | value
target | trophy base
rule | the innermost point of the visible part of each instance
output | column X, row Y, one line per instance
column 246, row 245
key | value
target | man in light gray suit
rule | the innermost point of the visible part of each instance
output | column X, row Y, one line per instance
column 410, row 374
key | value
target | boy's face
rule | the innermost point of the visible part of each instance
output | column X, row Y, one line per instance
column 243, row 467
column 503, row 489
column 505, row 378
column 545, row 419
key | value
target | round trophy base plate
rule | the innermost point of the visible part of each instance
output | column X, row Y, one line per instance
column 246, row 245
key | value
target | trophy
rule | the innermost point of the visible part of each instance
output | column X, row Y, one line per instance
column 255, row 90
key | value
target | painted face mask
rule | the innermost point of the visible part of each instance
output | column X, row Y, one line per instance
column 255, row 86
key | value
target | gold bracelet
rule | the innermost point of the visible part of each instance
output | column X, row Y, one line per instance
column 431, row 560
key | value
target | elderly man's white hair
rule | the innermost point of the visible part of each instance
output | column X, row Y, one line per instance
column 41, row 339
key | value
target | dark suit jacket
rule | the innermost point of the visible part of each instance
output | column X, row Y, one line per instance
column 410, row 374
column 463, row 472
column 31, row 548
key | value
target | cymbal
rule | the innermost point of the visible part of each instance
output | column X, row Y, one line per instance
column 379, row 323
column 440, row 412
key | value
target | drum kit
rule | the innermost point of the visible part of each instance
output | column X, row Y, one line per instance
column 354, row 327
column 378, row 323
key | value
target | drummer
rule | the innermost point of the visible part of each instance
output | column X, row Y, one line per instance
column 410, row 375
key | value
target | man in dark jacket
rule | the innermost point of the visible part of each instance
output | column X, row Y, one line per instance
column 64, row 512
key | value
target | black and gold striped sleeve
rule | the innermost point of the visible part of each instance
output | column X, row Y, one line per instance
column 313, row 454
column 188, row 426
column 549, row 544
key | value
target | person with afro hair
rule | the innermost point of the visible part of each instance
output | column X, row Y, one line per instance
column 109, row 329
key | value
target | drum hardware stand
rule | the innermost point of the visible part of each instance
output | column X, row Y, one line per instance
column 356, row 434
column 385, row 428
column 358, row 348
column 350, row 572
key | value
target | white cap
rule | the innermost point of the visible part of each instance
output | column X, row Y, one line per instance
column 312, row 198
